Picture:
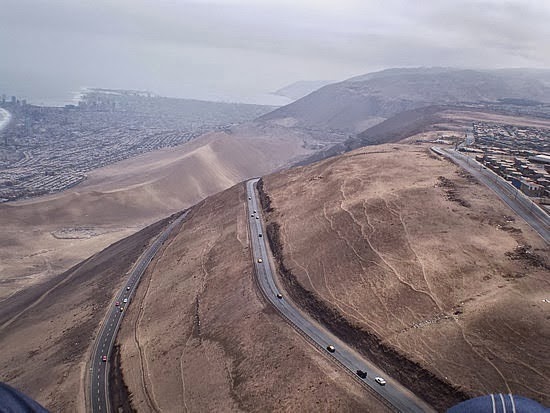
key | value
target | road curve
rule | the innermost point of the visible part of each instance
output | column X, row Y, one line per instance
column 393, row 393
column 514, row 198
column 98, row 399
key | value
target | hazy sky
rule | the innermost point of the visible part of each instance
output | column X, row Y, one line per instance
column 240, row 50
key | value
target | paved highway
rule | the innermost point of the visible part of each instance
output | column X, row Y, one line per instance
column 99, row 369
column 515, row 199
column 394, row 394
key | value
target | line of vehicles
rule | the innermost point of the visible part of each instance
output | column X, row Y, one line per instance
column 119, row 305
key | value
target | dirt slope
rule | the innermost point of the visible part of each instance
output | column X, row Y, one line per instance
column 198, row 337
column 45, row 236
column 46, row 331
column 422, row 262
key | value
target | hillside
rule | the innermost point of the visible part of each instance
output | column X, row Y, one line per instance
column 360, row 102
column 419, row 267
column 200, row 337
column 45, row 236
column 47, row 330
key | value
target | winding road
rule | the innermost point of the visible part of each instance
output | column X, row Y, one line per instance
column 98, row 399
column 393, row 393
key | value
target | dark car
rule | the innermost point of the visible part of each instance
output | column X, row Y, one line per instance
column 259, row 235
column 362, row 374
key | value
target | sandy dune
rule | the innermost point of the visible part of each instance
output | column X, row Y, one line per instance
column 119, row 199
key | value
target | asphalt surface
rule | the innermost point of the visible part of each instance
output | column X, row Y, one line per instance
column 514, row 198
column 99, row 369
column 393, row 393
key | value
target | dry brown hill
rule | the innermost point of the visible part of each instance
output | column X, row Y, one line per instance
column 420, row 267
column 360, row 102
column 200, row 337
column 45, row 236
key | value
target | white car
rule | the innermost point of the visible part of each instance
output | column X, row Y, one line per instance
column 125, row 300
column 260, row 260
column 380, row 381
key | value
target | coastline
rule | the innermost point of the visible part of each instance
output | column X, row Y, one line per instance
column 5, row 118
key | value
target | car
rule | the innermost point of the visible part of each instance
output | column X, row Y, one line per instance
column 117, row 303
column 257, row 217
column 249, row 198
column 260, row 260
column 127, row 288
column 260, row 235
column 121, row 309
column 362, row 374
column 104, row 358
column 279, row 296
column 255, row 211
column 380, row 381
column 125, row 300
column 331, row 348
column 251, row 215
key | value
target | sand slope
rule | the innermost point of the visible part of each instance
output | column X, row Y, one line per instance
column 47, row 235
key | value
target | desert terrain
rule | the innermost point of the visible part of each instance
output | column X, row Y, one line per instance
column 419, row 266
column 47, row 330
column 199, row 337
column 45, row 236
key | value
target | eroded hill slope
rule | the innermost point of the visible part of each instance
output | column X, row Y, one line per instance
column 405, row 256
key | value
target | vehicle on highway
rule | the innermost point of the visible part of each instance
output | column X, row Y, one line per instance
column 260, row 260
column 362, row 374
column 279, row 296
column 104, row 358
column 251, row 215
column 117, row 303
column 331, row 348
column 121, row 309
column 380, row 381
column 125, row 300
column 128, row 288
column 257, row 217
column 260, row 235
column 249, row 198
column 255, row 211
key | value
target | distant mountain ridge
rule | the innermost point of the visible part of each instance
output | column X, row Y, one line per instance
column 362, row 101
column 301, row 88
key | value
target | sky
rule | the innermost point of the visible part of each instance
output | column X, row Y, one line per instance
column 241, row 50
